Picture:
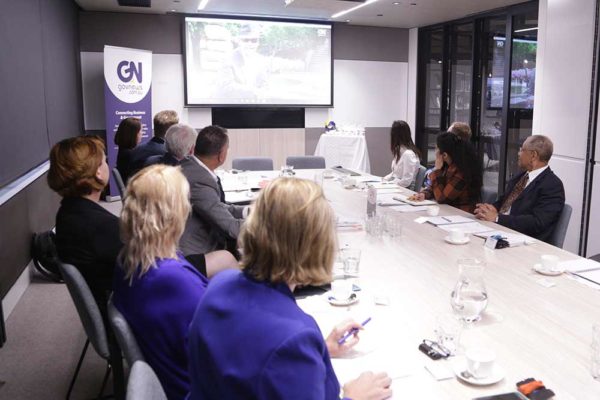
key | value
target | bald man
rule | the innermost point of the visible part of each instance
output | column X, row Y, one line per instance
column 534, row 199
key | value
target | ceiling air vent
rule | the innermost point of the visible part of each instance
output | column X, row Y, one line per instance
column 135, row 3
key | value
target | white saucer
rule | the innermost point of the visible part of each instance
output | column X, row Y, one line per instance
column 541, row 270
column 464, row 241
column 337, row 302
column 460, row 364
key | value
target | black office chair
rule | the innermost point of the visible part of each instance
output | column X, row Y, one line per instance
column 125, row 337
column 120, row 184
column 560, row 231
column 93, row 325
column 252, row 164
column 306, row 162
column 144, row 384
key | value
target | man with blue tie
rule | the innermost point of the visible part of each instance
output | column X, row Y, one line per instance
column 213, row 224
column 534, row 199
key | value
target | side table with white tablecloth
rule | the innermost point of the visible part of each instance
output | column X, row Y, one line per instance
column 349, row 151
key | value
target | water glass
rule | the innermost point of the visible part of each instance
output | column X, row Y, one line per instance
column 394, row 225
column 351, row 260
column 447, row 331
column 374, row 225
column 469, row 297
column 242, row 179
column 287, row 170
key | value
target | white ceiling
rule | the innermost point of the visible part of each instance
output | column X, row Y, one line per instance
column 405, row 14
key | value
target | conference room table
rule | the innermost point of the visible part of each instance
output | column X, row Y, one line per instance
column 536, row 331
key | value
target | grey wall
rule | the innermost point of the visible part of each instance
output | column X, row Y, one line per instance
column 370, row 43
column 40, row 77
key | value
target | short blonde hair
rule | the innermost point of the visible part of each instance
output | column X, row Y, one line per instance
column 74, row 163
column 163, row 120
column 290, row 234
column 153, row 217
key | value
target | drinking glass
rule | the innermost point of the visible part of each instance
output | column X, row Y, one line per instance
column 374, row 225
column 469, row 297
column 351, row 260
column 287, row 170
column 447, row 331
column 394, row 225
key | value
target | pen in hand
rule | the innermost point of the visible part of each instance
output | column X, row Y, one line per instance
column 352, row 332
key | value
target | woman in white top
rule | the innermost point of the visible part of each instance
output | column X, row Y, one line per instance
column 405, row 164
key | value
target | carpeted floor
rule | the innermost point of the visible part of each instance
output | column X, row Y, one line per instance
column 44, row 340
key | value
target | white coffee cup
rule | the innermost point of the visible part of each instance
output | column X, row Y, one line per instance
column 457, row 236
column 480, row 362
column 433, row 211
column 549, row 262
column 349, row 182
column 341, row 289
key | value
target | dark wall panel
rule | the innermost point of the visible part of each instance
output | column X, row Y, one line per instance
column 23, row 117
column 159, row 33
column 370, row 43
column 60, row 30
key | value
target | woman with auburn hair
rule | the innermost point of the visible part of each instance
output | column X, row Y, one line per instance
column 405, row 164
column 249, row 339
column 87, row 235
column 155, row 287
column 127, row 137
column 456, row 177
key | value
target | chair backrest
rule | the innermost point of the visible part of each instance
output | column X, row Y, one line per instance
column 306, row 162
column 419, row 179
column 88, row 310
column 488, row 195
column 143, row 383
column 252, row 164
column 125, row 337
column 120, row 184
column 560, row 231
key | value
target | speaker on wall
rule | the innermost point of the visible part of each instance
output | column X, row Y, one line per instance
column 255, row 118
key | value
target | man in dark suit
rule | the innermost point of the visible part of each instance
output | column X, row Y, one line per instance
column 180, row 140
column 534, row 199
column 213, row 223
column 163, row 120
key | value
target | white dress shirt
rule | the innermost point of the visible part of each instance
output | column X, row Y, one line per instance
column 404, row 170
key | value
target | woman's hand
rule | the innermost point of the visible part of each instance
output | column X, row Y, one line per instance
column 336, row 349
column 369, row 386
column 417, row 197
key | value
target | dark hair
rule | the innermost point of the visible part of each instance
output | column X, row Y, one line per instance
column 127, row 132
column 211, row 140
column 163, row 120
column 465, row 158
column 73, row 166
column 400, row 136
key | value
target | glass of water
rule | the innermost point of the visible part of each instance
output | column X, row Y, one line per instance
column 447, row 331
column 351, row 260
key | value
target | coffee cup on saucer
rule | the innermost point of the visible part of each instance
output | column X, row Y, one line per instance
column 457, row 236
column 433, row 210
column 549, row 262
column 480, row 362
column 349, row 182
column 341, row 289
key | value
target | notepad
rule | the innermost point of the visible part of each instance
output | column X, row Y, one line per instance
column 403, row 198
column 449, row 219
column 471, row 227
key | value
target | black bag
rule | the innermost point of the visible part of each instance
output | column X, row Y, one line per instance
column 45, row 256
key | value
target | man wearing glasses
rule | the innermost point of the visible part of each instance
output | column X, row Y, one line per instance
column 534, row 199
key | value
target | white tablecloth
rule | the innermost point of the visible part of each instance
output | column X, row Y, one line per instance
column 349, row 151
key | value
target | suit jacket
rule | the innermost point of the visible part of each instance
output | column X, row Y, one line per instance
column 154, row 147
column 125, row 163
column 166, row 159
column 250, row 340
column 211, row 223
column 536, row 211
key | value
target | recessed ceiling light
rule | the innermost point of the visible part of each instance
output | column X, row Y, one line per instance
column 173, row 10
column 361, row 5
column 396, row 3
column 347, row 20
column 202, row 4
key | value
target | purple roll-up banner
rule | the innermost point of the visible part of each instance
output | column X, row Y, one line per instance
column 127, row 93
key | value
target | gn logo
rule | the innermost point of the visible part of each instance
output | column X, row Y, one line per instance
column 126, row 70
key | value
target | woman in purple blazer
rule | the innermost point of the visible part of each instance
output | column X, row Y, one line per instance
column 155, row 288
column 249, row 339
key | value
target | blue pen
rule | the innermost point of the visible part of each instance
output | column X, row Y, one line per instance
column 352, row 331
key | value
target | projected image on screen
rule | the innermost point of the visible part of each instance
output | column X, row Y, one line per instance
column 250, row 62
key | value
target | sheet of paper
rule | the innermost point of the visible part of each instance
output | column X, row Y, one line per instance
column 471, row 227
column 449, row 219
column 514, row 239
column 579, row 264
column 592, row 276
column 347, row 369
column 408, row 208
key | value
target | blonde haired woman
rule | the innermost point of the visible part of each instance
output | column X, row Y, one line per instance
column 248, row 338
column 155, row 288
